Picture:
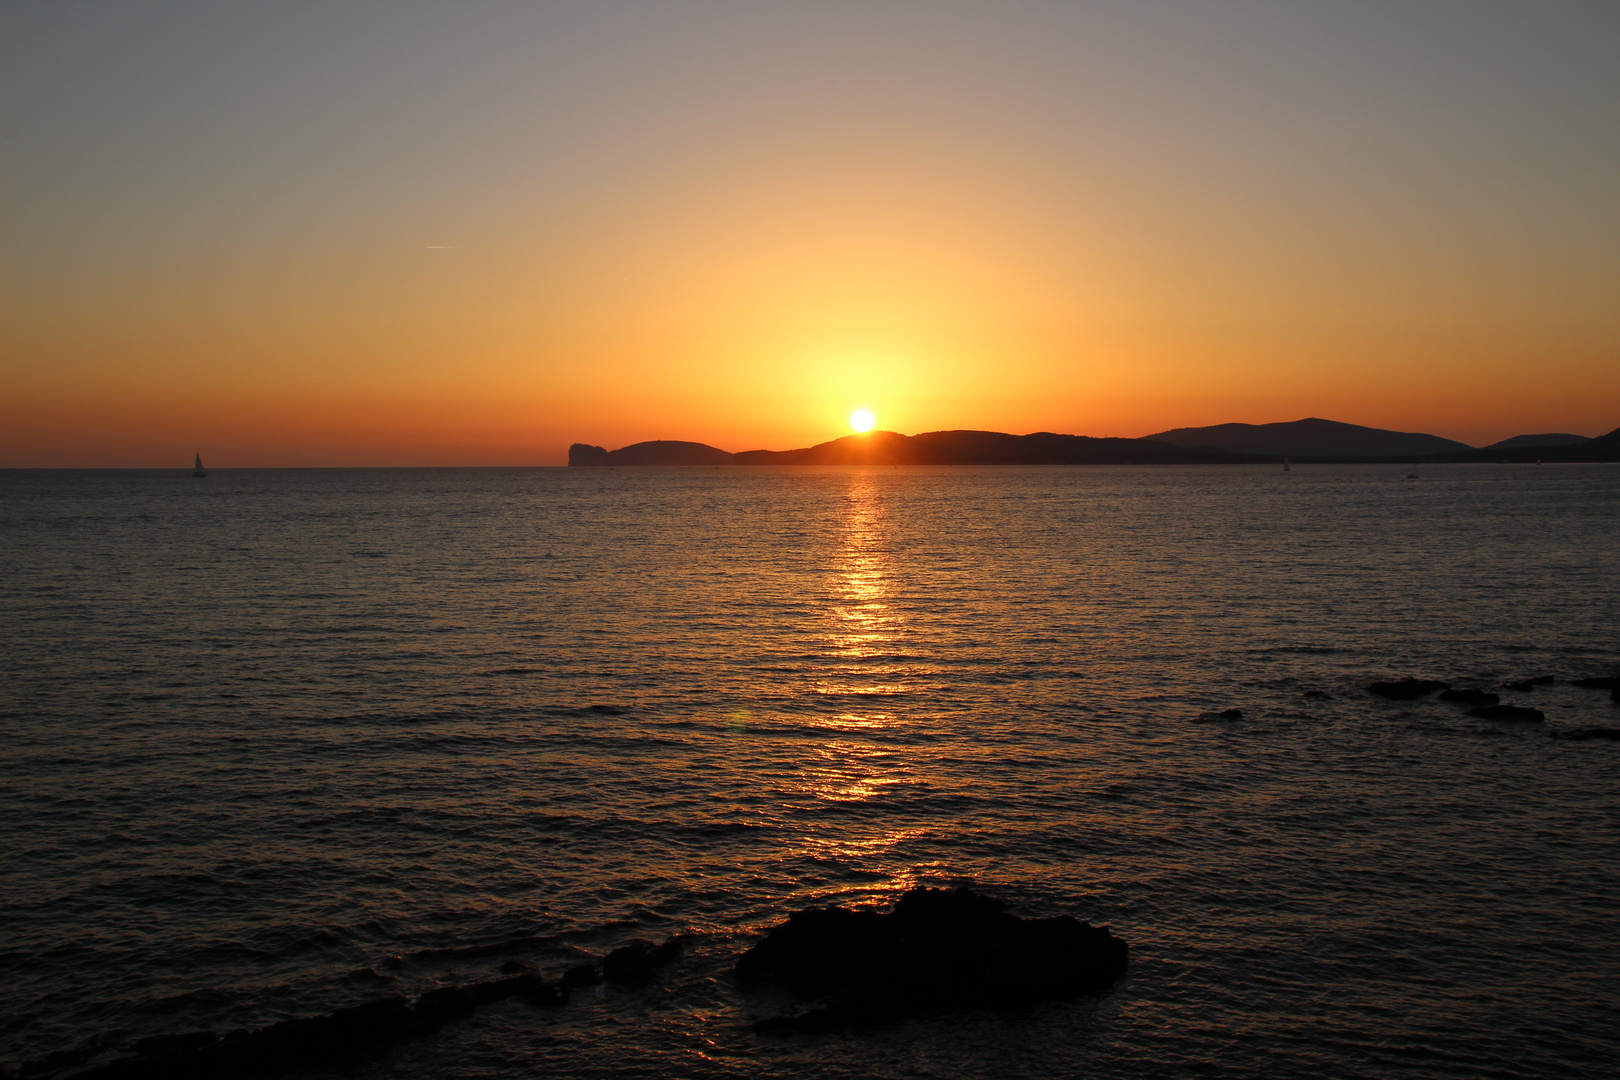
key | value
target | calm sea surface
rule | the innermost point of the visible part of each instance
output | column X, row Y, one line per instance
column 276, row 742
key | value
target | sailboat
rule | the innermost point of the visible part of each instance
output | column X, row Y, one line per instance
column 1287, row 467
column 197, row 469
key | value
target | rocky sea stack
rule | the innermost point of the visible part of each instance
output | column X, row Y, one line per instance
column 938, row 949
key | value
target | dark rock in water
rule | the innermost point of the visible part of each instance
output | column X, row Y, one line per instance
column 175, row 1044
column 516, row 967
column 305, row 1042
column 1527, row 684
column 639, row 960
column 1508, row 712
column 1212, row 717
column 582, row 975
column 1319, row 695
column 368, row 977
column 1407, row 689
column 1609, row 734
column 1614, row 696
column 1598, row 682
column 316, row 1041
column 1470, row 697
column 437, row 1007
column 938, row 949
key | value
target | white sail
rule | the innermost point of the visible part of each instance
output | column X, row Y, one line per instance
column 197, row 469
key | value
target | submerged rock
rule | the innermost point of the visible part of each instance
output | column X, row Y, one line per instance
column 582, row 975
column 1523, row 685
column 1609, row 734
column 1598, row 682
column 1319, row 695
column 1470, row 697
column 639, row 960
column 1224, row 714
column 1509, row 712
column 939, row 948
column 1407, row 689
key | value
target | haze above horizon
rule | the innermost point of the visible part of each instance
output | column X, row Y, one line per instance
column 375, row 234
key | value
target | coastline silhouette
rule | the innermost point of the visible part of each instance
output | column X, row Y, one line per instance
column 1309, row 441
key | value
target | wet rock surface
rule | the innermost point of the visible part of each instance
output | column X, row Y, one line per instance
column 937, row 949
column 1407, row 689
column 1509, row 712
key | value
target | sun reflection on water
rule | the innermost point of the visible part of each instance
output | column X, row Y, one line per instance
column 861, row 761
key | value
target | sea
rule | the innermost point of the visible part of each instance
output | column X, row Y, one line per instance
column 276, row 742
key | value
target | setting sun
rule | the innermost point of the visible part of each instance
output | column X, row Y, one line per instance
column 862, row 420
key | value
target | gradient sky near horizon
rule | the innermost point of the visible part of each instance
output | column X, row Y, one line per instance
column 390, row 233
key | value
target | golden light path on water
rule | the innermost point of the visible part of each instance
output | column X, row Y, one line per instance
column 862, row 645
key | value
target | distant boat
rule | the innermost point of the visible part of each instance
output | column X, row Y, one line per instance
column 1287, row 467
column 197, row 469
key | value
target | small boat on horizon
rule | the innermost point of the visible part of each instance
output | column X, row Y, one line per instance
column 197, row 469
column 1287, row 467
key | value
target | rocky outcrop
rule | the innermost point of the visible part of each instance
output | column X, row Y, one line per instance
column 937, row 949
column 1407, row 689
column 586, row 454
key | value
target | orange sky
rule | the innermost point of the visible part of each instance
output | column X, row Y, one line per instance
column 291, row 236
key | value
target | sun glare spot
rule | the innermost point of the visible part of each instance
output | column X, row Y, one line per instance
column 862, row 420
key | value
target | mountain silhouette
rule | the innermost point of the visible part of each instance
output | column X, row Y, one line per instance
column 1303, row 440
column 929, row 448
column 1549, row 439
column 1311, row 437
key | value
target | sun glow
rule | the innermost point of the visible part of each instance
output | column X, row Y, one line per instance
column 862, row 420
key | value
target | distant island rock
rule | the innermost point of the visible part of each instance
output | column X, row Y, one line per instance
column 1310, row 438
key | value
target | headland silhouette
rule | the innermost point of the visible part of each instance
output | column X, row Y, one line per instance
column 1311, row 440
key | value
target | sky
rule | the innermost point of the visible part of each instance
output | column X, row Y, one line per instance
column 370, row 233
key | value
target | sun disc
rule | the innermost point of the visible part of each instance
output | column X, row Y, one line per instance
column 862, row 420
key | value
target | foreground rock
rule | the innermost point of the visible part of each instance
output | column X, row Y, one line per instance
column 1407, row 689
column 1509, row 712
column 315, row 1041
column 938, row 949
